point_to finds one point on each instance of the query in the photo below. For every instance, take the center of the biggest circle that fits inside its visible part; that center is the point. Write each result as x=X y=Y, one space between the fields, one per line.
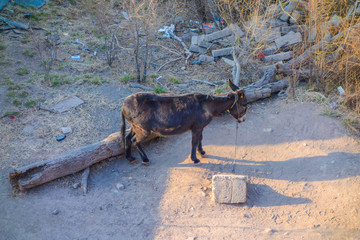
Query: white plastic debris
x=341 y=90
x=167 y=30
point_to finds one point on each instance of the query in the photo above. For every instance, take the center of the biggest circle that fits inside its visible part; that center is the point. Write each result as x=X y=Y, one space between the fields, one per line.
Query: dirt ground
x=303 y=183
x=302 y=168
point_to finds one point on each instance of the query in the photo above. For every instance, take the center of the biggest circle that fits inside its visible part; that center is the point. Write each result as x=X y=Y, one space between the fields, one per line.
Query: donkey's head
x=238 y=108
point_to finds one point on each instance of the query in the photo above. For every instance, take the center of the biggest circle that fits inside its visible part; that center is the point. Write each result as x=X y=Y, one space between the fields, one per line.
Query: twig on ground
x=84 y=179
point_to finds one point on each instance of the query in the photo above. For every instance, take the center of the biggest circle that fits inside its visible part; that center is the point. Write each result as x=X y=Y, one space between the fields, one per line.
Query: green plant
x=153 y=75
x=23 y=94
x=87 y=76
x=17 y=102
x=30 y=103
x=219 y=90
x=330 y=113
x=11 y=94
x=22 y=71
x=125 y=78
x=95 y=80
x=15 y=87
x=174 y=80
x=159 y=89
x=2 y=47
x=28 y=53
x=8 y=81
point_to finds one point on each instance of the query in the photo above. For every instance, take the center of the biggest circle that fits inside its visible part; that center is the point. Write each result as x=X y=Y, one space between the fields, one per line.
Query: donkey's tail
x=123 y=126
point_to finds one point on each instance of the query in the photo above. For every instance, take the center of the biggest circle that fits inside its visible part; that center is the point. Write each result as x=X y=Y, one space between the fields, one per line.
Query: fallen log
x=82 y=158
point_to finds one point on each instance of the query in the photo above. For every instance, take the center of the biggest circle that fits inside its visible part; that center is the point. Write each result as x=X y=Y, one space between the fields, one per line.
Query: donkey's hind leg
x=128 y=142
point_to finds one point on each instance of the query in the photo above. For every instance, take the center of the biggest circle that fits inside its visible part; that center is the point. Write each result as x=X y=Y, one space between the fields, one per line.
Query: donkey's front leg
x=199 y=148
x=196 y=136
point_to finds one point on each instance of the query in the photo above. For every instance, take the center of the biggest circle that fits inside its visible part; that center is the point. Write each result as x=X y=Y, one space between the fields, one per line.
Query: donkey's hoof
x=145 y=163
x=133 y=161
x=203 y=155
x=197 y=162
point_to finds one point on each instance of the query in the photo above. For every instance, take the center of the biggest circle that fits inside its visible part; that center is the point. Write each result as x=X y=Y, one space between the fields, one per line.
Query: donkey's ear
x=233 y=86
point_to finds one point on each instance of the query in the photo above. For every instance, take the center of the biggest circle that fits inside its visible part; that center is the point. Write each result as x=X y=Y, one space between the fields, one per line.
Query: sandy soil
x=303 y=183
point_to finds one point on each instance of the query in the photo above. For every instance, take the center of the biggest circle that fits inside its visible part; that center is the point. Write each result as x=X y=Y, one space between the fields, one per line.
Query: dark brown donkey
x=171 y=115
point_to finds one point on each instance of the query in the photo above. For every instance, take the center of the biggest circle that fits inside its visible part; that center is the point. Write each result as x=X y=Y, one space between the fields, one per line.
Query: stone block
x=67 y=104
x=265 y=34
x=228 y=41
x=228 y=61
x=207 y=45
x=288 y=9
x=206 y=58
x=236 y=30
x=197 y=49
x=195 y=40
x=217 y=35
x=288 y=39
x=222 y=52
x=270 y=50
x=229 y=188
x=279 y=56
x=295 y=17
x=294 y=28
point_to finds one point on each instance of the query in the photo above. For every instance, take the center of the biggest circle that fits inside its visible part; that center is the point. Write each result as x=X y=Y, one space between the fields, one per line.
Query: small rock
x=268 y=130
x=66 y=130
x=116 y=191
x=183 y=68
x=183 y=86
x=120 y=186
x=269 y=231
x=76 y=185
x=305 y=144
x=130 y=178
x=55 y=212
x=334 y=105
x=341 y=91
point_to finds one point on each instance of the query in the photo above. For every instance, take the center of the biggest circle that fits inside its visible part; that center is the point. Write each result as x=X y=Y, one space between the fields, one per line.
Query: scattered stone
x=222 y=52
x=270 y=50
x=228 y=61
x=143 y=87
x=334 y=105
x=236 y=30
x=269 y=231
x=295 y=17
x=195 y=40
x=294 y=28
x=55 y=212
x=288 y=9
x=207 y=45
x=228 y=41
x=197 y=49
x=335 y=20
x=267 y=35
x=76 y=185
x=66 y=130
x=120 y=186
x=268 y=130
x=341 y=90
x=116 y=192
x=279 y=56
x=217 y=35
x=67 y=104
x=206 y=58
x=183 y=68
x=182 y=85
x=288 y=39
x=229 y=188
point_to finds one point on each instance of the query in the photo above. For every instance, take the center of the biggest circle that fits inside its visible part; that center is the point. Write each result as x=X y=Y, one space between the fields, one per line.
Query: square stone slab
x=229 y=188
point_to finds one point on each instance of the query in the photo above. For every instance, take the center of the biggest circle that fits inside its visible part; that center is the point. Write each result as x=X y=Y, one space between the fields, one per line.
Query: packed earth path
x=302 y=170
